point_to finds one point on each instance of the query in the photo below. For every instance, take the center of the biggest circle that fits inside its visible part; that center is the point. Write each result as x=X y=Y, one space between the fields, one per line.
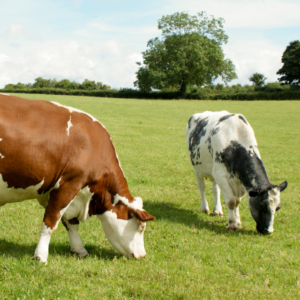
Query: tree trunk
x=183 y=90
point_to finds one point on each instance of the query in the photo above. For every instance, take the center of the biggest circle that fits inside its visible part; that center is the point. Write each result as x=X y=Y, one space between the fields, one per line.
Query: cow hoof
x=218 y=213
x=232 y=227
x=40 y=258
x=206 y=211
x=81 y=254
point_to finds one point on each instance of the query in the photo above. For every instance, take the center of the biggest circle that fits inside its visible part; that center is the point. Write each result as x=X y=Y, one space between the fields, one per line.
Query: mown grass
x=190 y=255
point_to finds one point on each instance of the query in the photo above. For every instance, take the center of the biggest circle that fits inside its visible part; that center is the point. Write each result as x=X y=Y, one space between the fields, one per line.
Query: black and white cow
x=223 y=148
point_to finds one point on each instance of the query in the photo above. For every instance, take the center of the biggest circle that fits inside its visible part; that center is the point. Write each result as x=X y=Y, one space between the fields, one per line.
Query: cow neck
x=255 y=176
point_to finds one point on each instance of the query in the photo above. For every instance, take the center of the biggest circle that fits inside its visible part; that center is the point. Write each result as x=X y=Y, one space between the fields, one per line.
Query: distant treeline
x=62 y=84
x=270 y=91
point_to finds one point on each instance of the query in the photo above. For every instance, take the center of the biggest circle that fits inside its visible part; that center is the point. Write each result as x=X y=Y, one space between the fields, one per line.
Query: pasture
x=190 y=255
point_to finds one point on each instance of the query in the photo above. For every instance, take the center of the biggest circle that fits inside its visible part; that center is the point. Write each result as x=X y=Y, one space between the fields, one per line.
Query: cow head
x=124 y=226
x=263 y=205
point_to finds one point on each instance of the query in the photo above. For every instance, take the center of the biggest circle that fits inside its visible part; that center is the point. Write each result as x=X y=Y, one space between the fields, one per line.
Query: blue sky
x=102 y=40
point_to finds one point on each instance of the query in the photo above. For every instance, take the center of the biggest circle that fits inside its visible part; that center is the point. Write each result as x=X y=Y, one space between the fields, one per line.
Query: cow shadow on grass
x=12 y=249
x=195 y=219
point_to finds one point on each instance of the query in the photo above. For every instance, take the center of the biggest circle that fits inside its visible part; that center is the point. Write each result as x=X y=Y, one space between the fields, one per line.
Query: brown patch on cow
x=230 y=222
x=142 y=215
x=73 y=221
x=231 y=204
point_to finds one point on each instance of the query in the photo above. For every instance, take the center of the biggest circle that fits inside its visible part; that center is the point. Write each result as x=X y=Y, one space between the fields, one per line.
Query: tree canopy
x=290 y=70
x=189 y=53
x=258 y=79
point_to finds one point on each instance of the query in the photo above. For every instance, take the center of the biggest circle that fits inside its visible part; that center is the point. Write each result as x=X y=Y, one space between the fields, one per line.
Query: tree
x=20 y=86
x=290 y=70
x=258 y=79
x=88 y=85
x=63 y=84
x=9 y=86
x=189 y=53
x=101 y=86
x=41 y=83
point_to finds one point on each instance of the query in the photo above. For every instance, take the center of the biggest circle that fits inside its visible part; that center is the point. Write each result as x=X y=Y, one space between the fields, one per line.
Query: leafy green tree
x=41 y=83
x=74 y=85
x=9 y=86
x=20 y=86
x=290 y=70
x=258 y=79
x=189 y=53
x=88 y=85
x=101 y=86
x=63 y=84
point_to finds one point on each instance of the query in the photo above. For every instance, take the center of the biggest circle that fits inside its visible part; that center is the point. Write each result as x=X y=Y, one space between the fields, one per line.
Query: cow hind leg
x=75 y=241
x=218 y=207
x=201 y=186
x=59 y=201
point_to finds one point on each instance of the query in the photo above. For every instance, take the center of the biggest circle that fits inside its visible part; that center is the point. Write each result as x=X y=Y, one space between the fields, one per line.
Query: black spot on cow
x=215 y=130
x=224 y=118
x=245 y=165
x=243 y=119
x=194 y=140
x=209 y=147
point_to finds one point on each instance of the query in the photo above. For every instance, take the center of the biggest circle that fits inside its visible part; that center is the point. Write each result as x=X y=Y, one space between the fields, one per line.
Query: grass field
x=190 y=255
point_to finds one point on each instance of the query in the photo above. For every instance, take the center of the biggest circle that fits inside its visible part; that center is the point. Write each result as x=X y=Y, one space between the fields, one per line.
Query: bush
x=273 y=92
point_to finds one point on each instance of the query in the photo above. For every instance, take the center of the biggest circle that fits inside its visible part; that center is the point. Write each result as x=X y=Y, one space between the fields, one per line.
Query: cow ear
x=142 y=215
x=283 y=186
x=253 y=193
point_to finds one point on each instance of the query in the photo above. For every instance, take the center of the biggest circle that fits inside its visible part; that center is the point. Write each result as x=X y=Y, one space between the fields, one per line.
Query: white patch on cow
x=137 y=204
x=43 y=198
x=79 y=207
x=75 y=241
x=11 y=195
x=42 y=249
x=4 y=94
x=72 y=109
x=69 y=126
x=274 y=198
x=126 y=236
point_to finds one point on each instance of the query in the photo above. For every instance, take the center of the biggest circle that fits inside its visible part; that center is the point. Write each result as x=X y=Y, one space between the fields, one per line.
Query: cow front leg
x=218 y=207
x=237 y=212
x=59 y=201
x=230 y=201
x=201 y=186
x=75 y=241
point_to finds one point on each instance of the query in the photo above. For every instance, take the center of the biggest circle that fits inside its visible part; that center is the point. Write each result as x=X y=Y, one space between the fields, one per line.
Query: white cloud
x=15 y=30
x=112 y=62
x=249 y=57
x=106 y=27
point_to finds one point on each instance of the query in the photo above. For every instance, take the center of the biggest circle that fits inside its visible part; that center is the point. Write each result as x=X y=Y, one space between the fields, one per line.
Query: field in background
x=190 y=255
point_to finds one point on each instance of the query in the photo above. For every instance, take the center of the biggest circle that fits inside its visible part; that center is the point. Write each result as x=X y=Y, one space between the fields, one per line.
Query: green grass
x=190 y=255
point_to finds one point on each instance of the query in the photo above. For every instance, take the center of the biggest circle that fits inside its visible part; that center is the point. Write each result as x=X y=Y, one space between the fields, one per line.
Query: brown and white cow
x=66 y=160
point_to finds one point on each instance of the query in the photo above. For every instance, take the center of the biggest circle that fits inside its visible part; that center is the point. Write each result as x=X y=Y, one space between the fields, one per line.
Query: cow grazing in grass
x=223 y=148
x=66 y=160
